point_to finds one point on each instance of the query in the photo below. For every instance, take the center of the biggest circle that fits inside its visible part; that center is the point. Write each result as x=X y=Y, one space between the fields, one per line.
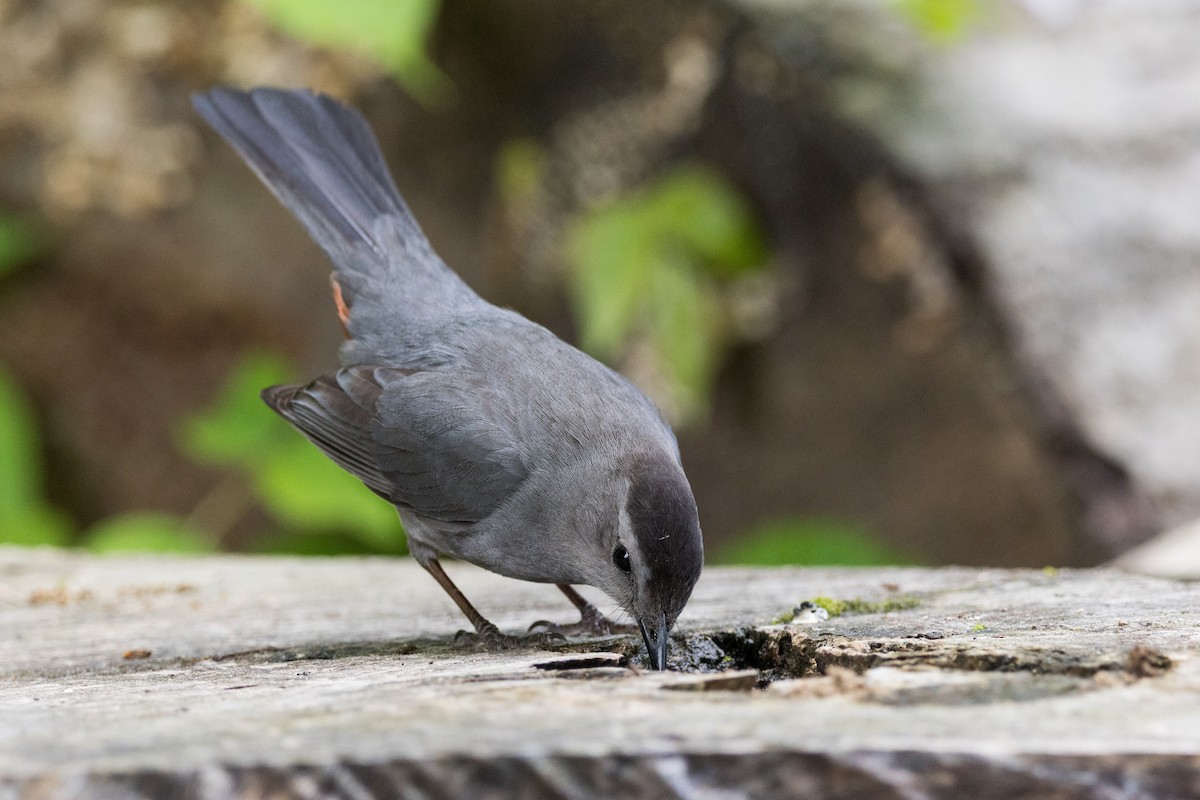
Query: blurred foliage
x=814 y=542
x=945 y=21
x=21 y=240
x=391 y=33
x=25 y=516
x=147 y=532
x=520 y=169
x=322 y=507
x=649 y=268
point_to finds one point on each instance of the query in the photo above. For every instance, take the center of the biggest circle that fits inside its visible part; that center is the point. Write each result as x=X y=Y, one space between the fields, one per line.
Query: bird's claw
x=492 y=639
x=589 y=625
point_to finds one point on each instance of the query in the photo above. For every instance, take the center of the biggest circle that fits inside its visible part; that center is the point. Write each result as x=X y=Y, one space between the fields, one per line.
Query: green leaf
x=21 y=240
x=686 y=311
x=613 y=254
x=808 y=541
x=35 y=525
x=25 y=518
x=390 y=32
x=650 y=267
x=304 y=489
x=20 y=458
x=146 y=532
x=700 y=213
x=238 y=429
x=944 y=21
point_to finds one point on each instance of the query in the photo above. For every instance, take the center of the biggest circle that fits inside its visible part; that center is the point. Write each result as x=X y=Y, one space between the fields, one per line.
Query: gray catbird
x=497 y=442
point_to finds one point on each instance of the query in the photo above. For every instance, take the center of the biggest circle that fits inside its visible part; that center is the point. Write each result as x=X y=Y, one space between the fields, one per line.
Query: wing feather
x=419 y=439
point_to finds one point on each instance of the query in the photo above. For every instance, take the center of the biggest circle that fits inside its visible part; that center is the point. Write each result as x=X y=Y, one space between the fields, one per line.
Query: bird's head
x=655 y=551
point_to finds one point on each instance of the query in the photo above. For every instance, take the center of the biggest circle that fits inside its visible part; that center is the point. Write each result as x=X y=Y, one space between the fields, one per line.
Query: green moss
x=857 y=605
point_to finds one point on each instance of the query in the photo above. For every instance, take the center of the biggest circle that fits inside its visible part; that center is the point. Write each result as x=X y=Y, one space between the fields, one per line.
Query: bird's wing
x=418 y=439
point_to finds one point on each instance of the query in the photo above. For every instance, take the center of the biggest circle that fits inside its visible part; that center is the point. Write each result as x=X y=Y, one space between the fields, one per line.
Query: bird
x=497 y=442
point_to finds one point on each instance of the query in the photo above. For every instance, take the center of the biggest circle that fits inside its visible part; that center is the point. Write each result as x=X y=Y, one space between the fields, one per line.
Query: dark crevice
x=779 y=653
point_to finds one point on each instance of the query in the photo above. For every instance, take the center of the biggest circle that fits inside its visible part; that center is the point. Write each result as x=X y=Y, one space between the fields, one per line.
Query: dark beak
x=656 y=641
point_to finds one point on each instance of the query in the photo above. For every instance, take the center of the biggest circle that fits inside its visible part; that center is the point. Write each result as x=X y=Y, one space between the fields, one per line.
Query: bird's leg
x=488 y=633
x=591 y=618
x=591 y=623
x=485 y=629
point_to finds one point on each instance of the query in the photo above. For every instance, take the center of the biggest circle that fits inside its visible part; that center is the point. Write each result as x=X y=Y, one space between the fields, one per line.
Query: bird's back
x=552 y=394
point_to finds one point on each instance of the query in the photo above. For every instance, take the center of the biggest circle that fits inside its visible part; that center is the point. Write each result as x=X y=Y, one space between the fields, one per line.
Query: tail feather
x=324 y=164
x=318 y=157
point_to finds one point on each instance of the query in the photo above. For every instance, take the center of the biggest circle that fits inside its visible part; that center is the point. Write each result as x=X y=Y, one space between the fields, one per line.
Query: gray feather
x=324 y=164
x=336 y=421
x=319 y=159
x=414 y=438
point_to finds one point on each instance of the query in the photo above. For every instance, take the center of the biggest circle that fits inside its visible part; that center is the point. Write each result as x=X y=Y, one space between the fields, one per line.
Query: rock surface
x=1172 y=554
x=239 y=676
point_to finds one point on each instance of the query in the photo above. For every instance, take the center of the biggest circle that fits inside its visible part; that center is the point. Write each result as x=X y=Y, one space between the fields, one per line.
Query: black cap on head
x=666 y=526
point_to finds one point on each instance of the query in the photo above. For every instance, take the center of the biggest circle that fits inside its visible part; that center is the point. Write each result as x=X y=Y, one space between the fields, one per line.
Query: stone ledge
x=244 y=676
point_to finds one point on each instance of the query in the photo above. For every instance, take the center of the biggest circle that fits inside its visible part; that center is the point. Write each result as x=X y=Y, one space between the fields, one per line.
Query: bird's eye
x=621 y=558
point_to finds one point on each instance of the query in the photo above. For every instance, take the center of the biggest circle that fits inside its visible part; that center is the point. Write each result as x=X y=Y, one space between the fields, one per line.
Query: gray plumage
x=497 y=442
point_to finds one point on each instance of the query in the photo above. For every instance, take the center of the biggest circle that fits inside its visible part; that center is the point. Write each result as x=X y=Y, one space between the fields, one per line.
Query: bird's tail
x=324 y=164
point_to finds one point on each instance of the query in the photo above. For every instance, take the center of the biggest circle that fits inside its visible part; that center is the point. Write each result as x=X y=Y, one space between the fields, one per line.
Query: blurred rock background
x=917 y=280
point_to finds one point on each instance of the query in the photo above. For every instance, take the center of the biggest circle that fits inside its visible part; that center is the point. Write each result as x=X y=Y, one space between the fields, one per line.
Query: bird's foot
x=591 y=623
x=492 y=639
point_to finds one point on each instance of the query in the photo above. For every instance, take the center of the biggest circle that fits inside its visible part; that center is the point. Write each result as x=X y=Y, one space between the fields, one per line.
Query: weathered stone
x=341 y=677
x=1171 y=554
